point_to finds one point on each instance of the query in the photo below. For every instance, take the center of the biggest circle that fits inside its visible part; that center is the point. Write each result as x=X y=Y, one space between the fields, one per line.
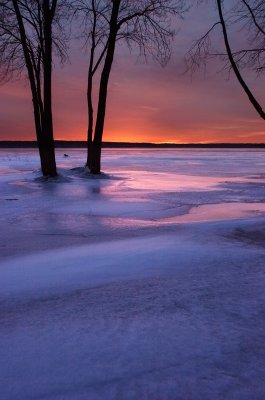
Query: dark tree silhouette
x=29 y=30
x=249 y=16
x=145 y=23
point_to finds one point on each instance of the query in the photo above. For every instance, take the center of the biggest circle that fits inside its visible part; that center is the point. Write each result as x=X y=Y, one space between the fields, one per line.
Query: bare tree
x=145 y=23
x=29 y=32
x=249 y=17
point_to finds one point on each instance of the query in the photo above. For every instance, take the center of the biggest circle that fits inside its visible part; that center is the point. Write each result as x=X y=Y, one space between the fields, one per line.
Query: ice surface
x=147 y=284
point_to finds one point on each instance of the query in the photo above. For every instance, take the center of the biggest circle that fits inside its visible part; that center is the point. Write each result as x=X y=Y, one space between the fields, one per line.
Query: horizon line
x=83 y=143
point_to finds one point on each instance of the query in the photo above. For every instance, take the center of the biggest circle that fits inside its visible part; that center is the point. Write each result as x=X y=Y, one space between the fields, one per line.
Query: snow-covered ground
x=145 y=284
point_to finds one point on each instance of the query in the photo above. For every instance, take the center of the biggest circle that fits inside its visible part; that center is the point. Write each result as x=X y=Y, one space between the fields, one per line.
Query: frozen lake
x=145 y=284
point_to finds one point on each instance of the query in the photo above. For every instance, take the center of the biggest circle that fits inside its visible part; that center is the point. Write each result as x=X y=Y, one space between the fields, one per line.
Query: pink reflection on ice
x=222 y=211
x=176 y=182
x=202 y=213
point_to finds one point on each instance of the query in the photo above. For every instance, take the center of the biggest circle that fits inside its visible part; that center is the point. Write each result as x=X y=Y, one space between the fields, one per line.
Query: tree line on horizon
x=33 y=32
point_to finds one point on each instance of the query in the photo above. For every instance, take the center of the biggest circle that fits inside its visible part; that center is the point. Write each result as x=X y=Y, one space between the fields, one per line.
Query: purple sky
x=146 y=102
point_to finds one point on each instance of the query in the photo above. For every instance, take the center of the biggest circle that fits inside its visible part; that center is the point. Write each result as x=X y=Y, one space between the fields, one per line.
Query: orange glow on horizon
x=181 y=138
x=145 y=134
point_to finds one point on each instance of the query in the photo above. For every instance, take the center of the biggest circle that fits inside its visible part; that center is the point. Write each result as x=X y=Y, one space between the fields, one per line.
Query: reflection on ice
x=202 y=213
x=141 y=189
x=222 y=211
x=169 y=182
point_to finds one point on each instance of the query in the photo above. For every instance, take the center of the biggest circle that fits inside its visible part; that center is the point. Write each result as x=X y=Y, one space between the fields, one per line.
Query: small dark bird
x=66 y=155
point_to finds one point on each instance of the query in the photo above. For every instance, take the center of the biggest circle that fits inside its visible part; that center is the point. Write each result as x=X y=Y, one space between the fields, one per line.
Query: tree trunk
x=38 y=130
x=47 y=141
x=238 y=75
x=95 y=166
x=90 y=92
x=43 y=121
x=90 y=110
x=90 y=125
x=103 y=90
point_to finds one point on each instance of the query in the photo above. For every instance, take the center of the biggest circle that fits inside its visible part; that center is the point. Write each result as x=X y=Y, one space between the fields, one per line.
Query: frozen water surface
x=145 y=284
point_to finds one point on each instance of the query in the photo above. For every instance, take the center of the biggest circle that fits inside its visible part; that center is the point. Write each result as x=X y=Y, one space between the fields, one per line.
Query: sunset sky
x=146 y=103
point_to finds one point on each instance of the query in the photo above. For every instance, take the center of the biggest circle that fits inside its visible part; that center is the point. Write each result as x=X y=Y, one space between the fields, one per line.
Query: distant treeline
x=82 y=144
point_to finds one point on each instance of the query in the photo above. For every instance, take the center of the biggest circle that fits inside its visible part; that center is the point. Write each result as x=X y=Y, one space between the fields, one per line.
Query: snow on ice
x=145 y=284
